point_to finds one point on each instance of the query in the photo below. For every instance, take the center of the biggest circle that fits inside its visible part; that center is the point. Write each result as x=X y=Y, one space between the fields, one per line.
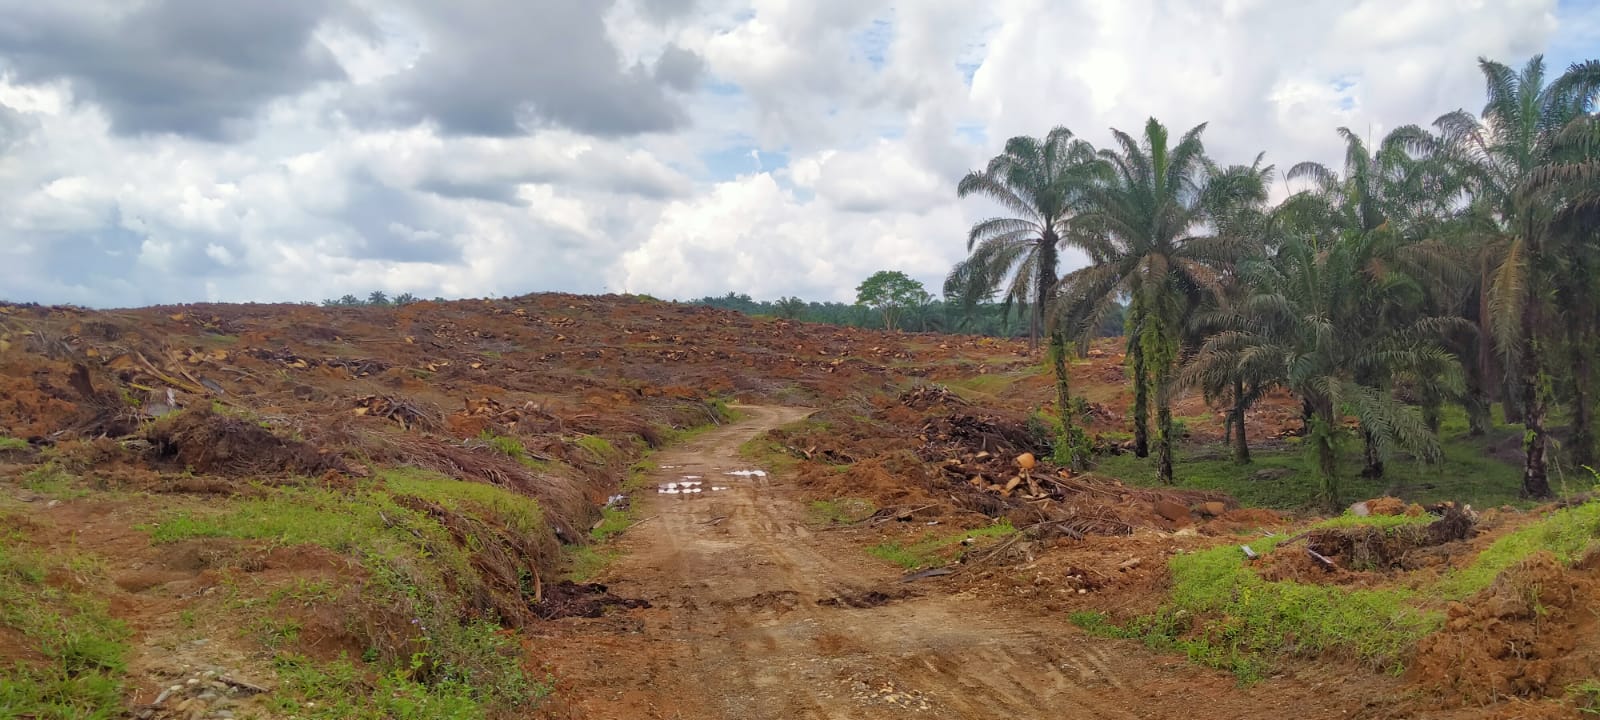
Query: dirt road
x=756 y=615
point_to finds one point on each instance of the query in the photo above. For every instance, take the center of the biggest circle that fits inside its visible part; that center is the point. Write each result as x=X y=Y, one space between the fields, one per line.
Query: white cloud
x=861 y=113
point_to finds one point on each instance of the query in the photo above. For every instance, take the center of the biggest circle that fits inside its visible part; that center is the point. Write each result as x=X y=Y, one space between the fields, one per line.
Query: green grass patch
x=1568 y=533
x=1222 y=614
x=612 y=523
x=841 y=510
x=53 y=482
x=11 y=443
x=417 y=568
x=1586 y=696
x=341 y=690
x=514 y=449
x=1382 y=522
x=84 y=648
x=598 y=447
x=584 y=562
x=936 y=549
x=1287 y=479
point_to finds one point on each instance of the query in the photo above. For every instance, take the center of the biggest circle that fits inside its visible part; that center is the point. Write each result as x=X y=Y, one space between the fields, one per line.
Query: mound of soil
x=1374 y=548
x=1530 y=634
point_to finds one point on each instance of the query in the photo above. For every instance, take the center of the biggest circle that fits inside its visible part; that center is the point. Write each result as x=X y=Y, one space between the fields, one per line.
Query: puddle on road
x=747 y=473
x=689 y=485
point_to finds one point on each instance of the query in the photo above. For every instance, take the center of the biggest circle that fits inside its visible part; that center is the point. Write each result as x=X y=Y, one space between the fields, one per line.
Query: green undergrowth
x=8 y=443
x=342 y=690
x=1223 y=614
x=1569 y=533
x=75 y=652
x=1286 y=479
x=452 y=666
x=514 y=449
x=1382 y=522
x=841 y=511
x=53 y=482
x=598 y=447
x=1586 y=696
x=934 y=549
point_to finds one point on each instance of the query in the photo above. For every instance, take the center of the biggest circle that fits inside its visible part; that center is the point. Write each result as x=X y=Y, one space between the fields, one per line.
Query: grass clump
x=340 y=690
x=1382 y=522
x=612 y=522
x=598 y=447
x=841 y=511
x=933 y=548
x=1586 y=695
x=514 y=449
x=1222 y=614
x=83 y=649
x=584 y=562
x=8 y=443
x=53 y=482
x=1568 y=533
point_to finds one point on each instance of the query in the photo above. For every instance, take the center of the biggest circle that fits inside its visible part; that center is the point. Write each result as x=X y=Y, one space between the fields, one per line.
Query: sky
x=166 y=151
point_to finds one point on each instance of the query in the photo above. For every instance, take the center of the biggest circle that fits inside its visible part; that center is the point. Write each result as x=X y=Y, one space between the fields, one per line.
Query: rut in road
x=757 y=616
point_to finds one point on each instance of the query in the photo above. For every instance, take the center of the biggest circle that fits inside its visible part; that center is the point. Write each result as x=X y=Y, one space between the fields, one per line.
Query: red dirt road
x=757 y=616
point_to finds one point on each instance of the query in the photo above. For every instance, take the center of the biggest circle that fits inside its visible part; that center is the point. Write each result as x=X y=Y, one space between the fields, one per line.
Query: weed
x=417 y=569
x=1382 y=522
x=51 y=481
x=1222 y=614
x=1587 y=696
x=83 y=647
x=10 y=443
x=1568 y=533
x=933 y=548
x=338 y=690
x=598 y=447
x=841 y=511
x=612 y=523
x=585 y=561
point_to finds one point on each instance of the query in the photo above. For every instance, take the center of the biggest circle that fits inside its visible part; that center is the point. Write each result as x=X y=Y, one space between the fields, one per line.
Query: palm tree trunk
x=1476 y=403
x=1511 y=401
x=1374 y=468
x=1322 y=437
x=1583 y=435
x=1432 y=406
x=1133 y=331
x=1164 y=443
x=1069 y=435
x=1241 y=444
x=1535 y=394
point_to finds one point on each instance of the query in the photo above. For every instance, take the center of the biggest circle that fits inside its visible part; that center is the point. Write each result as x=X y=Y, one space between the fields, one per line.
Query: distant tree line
x=991 y=319
x=376 y=298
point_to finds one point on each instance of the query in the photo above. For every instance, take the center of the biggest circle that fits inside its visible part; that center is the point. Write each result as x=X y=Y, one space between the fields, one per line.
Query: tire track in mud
x=763 y=618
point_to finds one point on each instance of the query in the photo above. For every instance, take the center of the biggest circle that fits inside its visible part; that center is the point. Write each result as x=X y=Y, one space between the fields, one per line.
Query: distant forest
x=990 y=319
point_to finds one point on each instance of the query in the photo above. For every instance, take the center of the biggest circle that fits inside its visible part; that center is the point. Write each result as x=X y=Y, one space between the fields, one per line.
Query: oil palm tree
x=1235 y=200
x=1499 y=154
x=1141 y=228
x=1401 y=191
x=1305 y=327
x=1042 y=183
